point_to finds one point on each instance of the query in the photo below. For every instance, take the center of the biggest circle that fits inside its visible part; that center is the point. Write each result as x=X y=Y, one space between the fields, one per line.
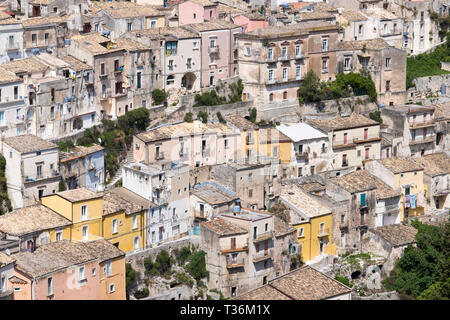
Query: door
x=266 y=247
x=233 y=243
x=321 y=248
x=366 y=134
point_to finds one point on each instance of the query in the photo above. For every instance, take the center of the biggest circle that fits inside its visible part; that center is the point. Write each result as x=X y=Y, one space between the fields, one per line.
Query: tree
x=252 y=115
x=61 y=186
x=130 y=275
x=197 y=266
x=158 y=96
x=5 y=203
x=203 y=116
x=188 y=117
x=376 y=115
x=310 y=89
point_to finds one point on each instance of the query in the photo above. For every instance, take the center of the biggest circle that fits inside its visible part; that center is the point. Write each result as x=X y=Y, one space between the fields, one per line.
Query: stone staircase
x=322 y=263
x=118 y=175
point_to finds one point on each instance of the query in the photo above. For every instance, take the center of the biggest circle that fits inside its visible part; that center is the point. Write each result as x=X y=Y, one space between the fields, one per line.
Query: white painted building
x=11 y=39
x=167 y=189
x=311 y=153
x=31 y=169
x=12 y=105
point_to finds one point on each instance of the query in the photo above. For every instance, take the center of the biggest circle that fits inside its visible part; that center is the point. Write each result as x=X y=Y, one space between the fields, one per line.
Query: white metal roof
x=300 y=131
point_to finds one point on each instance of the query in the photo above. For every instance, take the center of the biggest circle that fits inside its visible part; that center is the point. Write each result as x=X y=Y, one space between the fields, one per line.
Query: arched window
x=285 y=95
x=170 y=80
x=271 y=97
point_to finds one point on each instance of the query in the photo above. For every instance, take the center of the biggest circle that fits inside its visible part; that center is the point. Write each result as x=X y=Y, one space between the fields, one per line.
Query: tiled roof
x=399 y=165
x=119 y=199
x=8 y=76
x=434 y=164
x=93 y=42
x=380 y=14
x=396 y=234
x=353 y=121
x=314 y=15
x=351 y=15
x=241 y=123
x=302 y=201
x=213 y=193
x=181 y=130
x=4 y=15
x=78 y=152
x=9 y=20
x=249 y=214
x=29 y=64
x=205 y=3
x=130 y=45
x=80 y=194
x=63 y=254
x=312 y=187
x=31 y=219
x=356 y=181
x=17 y=280
x=442 y=111
x=372 y=44
x=282 y=228
x=223 y=227
x=291 y=29
x=410 y=108
x=28 y=143
x=298 y=5
x=75 y=64
x=5 y=259
x=167 y=32
x=305 y=283
x=133 y=12
x=31 y=22
x=211 y=25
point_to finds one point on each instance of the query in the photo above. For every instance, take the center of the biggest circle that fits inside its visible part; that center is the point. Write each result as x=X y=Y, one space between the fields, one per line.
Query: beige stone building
x=272 y=61
x=353 y=139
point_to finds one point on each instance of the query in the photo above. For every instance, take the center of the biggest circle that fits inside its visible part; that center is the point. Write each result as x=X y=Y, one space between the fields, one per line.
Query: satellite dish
x=99 y=140
x=8 y=252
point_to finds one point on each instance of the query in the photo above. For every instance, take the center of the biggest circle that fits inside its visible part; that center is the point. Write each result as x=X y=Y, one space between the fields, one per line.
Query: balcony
x=262 y=236
x=271 y=59
x=234 y=263
x=263 y=255
x=366 y=139
x=245 y=248
x=428 y=139
x=299 y=56
x=214 y=49
x=159 y=156
x=139 y=63
x=363 y=223
x=345 y=164
x=42 y=176
x=272 y=81
x=301 y=155
x=249 y=141
x=120 y=94
x=391 y=208
x=14 y=47
x=323 y=232
x=206 y=152
x=344 y=225
x=284 y=58
x=422 y=124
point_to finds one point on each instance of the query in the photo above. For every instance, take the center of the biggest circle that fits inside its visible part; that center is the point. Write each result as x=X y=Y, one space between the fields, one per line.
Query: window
x=85 y=232
x=58 y=235
x=189 y=63
x=2 y=117
x=114 y=226
x=301 y=232
x=388 y=85
x=225 y=143
x=297 y=50
x=94 y=272
x=81 y=276
x=153 y=24
x=324 y=65
x=38 y=171
x=212 y=43
x=130 y=26
x=84 y=212
x=271 y=97
x=275 y=151
x=34 y=39
x=170 y=80
x=270 y=53
x=49 y=286
x=136 y=242
x=250 y=177
x=285 y=95
x=250 y=193
x=284 y=52
x=299 y=172
x=16 y=93
x=46 y=38
x=194 y=16
x=247 y=51
x=325 y=44
x=298 y=72
x=112 y=288
x=138 y=82
x=270 y=75
x=360 y=29
x=285 y=72
x=345 y=138
x=347 y=63
x=388 y=63
x=11 y=41
x=233 y=291
x=134 y=221
x=102 y=69
x=3 y=284
x=195 y=45
x=170 y=65
x=96 y=26
x=108 y=268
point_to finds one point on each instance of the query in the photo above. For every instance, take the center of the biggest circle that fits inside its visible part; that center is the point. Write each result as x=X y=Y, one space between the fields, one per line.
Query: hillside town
x=229 y=149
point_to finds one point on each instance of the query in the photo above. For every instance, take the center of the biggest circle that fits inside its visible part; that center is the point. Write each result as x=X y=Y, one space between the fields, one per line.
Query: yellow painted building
x=124 y=219
x=275 y=144
x=84 y=208
x=314 y=223
x=406 y=176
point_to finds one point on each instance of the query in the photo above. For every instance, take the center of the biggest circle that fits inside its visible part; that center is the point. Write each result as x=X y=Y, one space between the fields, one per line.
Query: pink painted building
x=197 y=11
x=250 y=21
x=218 y=57
x=62 y=270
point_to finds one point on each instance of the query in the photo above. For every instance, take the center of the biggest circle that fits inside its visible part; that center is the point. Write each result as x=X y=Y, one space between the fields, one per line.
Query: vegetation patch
x=5 y=203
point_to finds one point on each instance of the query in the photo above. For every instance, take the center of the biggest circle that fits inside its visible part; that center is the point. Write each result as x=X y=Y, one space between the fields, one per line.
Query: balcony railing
x=323 y=232
x=159 y=156
x=249 y=140
x=228 y=250
x=43 y=175
x=299 y=56
x=271 y=59
x=345 y=163
x=302 y=154
x=214 y=49
x=285 y=57
x=428 y=123
x=263 y=255
x=393 y=207
x=428 y=139
x=262 y=236
x=234 y=263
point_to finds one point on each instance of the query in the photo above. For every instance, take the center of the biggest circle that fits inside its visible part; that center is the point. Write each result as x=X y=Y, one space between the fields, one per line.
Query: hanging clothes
x=420 y=199
x=413 y=201
x=407 y=201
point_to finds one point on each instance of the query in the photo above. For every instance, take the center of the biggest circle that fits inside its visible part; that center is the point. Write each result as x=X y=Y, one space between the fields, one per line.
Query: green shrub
x=296 y=261
x=188 y=117
x=142 y=293
x=183 y=278
x=376 y=115
x=158 y=96
x=182 y=255
x=65 y=146
x=197 y=265
x=5 y=202
x=252 y=115
x=203 y=116
x=61 y=186
x=221 y=118
x=343 y=280
x=130 y=275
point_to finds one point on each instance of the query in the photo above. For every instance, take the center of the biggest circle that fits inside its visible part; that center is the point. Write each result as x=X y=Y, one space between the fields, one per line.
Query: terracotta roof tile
x=399 y=165
x=223 y=227
x=28 y=143
x=434 y=164
x=353 y=121
x=80 y=194
x=396 y=234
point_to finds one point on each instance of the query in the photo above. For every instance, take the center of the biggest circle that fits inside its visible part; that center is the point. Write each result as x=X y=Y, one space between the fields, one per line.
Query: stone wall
x=429 y=86
x=445 y=66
